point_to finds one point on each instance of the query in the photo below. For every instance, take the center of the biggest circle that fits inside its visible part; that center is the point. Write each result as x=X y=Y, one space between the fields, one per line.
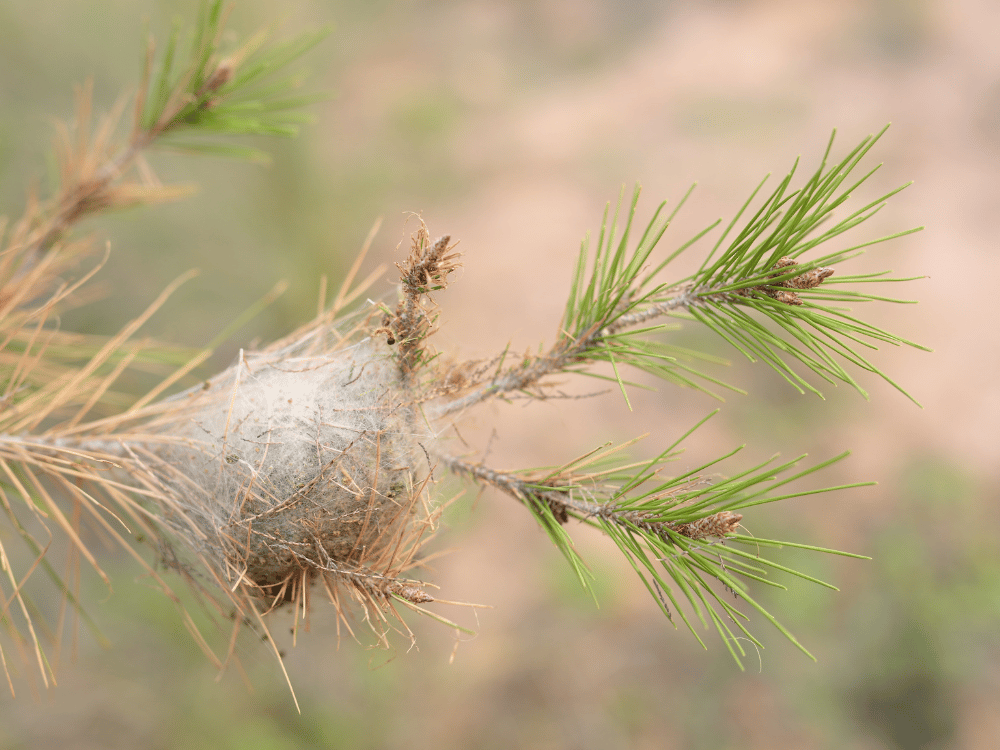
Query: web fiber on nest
x=295 y=464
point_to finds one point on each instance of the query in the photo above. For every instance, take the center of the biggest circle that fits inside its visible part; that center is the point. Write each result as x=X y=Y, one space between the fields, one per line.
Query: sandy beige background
x=509 y=125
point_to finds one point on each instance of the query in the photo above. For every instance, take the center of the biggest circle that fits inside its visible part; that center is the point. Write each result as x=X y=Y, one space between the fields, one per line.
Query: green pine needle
x=664 y=526
x=737 y=292
x=235 y=92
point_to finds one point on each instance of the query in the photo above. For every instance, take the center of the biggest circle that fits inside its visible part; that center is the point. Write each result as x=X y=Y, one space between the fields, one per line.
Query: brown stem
x=716 y=525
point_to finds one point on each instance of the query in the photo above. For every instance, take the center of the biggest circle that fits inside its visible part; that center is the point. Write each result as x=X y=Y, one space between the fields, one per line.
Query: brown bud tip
x=787 y=298
x=810 y=279
x=222 y=74
x=411 y=593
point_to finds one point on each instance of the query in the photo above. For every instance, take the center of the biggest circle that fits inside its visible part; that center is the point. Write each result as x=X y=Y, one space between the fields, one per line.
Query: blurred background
x=509 y=125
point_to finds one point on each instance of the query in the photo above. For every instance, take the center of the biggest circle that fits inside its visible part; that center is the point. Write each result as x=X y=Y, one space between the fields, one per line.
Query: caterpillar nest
x=289 y=467
x=307 y=462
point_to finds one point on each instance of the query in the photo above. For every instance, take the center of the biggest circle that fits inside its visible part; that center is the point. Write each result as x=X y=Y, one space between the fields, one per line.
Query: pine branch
x=309 y=461
x=99 y=172
x=760 y=272
x=229 y=96
x=246 y=92
x=52 y=382
x=676 y=532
